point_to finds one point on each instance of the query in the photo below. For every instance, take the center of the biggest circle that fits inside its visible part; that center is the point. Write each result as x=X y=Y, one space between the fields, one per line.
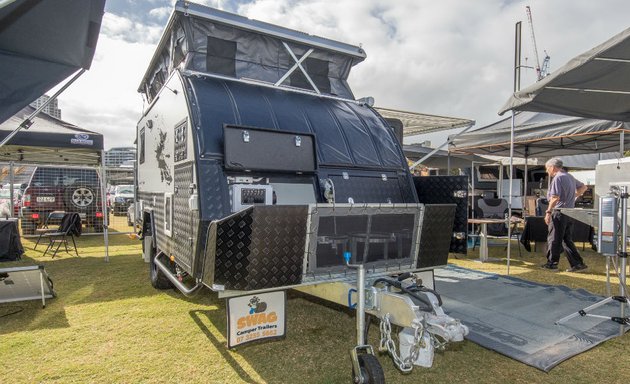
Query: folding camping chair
x=70 y=226
x=52 y=216
x=493 y=208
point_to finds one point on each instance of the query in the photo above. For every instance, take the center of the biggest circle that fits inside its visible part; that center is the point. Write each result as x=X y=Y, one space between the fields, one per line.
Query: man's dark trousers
x=559 y=237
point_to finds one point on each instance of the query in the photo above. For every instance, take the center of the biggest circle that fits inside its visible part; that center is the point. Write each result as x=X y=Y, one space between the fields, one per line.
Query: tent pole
x=29 y=120
x=500 y=193
x=510 y=192
x=448 y=163
x=621 y=143
x=517 y=86
x=11 y=192
x=104 y=206
x=472 y=197
x=525 y=177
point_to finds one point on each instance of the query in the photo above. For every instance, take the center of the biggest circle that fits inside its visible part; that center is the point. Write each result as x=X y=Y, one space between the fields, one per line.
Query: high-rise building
x=51 y=109
x=115 y=157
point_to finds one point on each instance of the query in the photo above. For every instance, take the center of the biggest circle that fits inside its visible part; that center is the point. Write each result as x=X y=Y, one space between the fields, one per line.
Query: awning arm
x=447 y=142
x=29 y=120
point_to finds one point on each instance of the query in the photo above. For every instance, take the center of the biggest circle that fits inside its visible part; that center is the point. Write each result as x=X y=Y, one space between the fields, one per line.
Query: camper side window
x=181 y=147
x=141 y=146
x=221 y=56
x=168 y=214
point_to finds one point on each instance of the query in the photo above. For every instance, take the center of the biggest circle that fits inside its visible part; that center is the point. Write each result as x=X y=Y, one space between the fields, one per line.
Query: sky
x=448 y=57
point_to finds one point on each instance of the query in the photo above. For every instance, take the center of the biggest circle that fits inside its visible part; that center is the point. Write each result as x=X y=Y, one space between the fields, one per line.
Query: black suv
x=62 y=189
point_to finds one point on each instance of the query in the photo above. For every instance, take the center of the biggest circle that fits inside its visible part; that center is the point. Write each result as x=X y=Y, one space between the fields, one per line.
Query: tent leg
x=11 y=191
x=510 y=192
x=525 y=177
x=104 y=206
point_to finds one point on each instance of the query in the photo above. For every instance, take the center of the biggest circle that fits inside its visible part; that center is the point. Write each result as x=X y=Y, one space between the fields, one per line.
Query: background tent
x=42 y=43
x=50 y=141
x=53 y=141
x=595 y=84
x=440 y=159
x=544 y=135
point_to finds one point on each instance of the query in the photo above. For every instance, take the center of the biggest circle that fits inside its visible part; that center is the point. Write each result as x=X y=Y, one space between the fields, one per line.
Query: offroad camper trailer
x=258 y=171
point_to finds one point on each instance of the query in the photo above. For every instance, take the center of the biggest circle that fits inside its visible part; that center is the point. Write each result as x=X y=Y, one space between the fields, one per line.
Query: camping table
x=483 y=236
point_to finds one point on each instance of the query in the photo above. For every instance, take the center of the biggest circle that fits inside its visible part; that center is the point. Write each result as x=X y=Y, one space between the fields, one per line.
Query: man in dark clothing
x=563 y=190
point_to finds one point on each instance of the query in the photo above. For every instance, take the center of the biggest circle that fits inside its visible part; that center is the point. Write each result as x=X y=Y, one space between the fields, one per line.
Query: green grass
x=108 y=325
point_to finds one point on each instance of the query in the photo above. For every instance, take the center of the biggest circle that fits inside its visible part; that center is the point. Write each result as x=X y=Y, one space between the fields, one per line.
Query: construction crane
x=544 y=68
x=543 y=71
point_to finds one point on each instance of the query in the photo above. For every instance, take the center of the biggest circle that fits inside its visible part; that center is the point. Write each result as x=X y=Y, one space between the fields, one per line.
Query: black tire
x=158 y=280
x=80 y=198
x=28 y=227
x=370 y=369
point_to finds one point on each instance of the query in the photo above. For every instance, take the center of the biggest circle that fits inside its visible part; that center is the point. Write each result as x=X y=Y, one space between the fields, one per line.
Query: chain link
x=387 y=344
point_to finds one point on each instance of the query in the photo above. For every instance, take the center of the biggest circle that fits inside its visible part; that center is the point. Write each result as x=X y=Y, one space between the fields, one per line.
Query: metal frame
x=192 y=73
x=100 y=170
x=298 y=64
x=622 y=254
x=43 y=280
x=310 y=272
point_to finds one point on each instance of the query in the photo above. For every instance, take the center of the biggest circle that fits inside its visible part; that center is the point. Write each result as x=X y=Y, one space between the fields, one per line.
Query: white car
x=121 y=198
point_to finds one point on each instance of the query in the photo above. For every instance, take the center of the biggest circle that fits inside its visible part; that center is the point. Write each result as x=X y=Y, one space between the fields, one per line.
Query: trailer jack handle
x=361 y=348
x=188 y=292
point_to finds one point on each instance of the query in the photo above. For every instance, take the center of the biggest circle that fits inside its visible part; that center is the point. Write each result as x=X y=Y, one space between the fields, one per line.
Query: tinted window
x=60 y=177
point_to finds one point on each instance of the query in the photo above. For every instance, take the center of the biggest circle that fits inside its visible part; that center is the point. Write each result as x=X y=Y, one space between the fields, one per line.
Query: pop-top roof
x=207 y=40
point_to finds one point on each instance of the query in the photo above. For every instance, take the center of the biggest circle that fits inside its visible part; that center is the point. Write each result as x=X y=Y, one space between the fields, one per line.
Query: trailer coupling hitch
x=425 y=326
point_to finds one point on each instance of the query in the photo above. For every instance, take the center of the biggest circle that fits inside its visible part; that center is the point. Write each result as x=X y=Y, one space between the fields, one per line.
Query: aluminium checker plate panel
x=183 y=217
x=257 y=248
x=448 y=190
x=435 y=236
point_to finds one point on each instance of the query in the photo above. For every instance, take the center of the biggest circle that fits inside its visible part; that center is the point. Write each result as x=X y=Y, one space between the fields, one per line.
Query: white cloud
x=161 y=13
x=122 y=28
x=449 y=57
x=104 y=99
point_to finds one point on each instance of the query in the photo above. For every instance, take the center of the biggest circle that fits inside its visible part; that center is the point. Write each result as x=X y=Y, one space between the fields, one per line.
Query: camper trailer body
x=212 y=143
x=258 y=171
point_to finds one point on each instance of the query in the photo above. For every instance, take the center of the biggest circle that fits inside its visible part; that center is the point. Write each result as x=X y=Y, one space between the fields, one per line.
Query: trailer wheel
x=158 y=280
x=371 y=370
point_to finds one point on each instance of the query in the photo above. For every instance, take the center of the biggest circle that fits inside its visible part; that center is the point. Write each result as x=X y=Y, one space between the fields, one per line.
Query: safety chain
x=387 y=344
